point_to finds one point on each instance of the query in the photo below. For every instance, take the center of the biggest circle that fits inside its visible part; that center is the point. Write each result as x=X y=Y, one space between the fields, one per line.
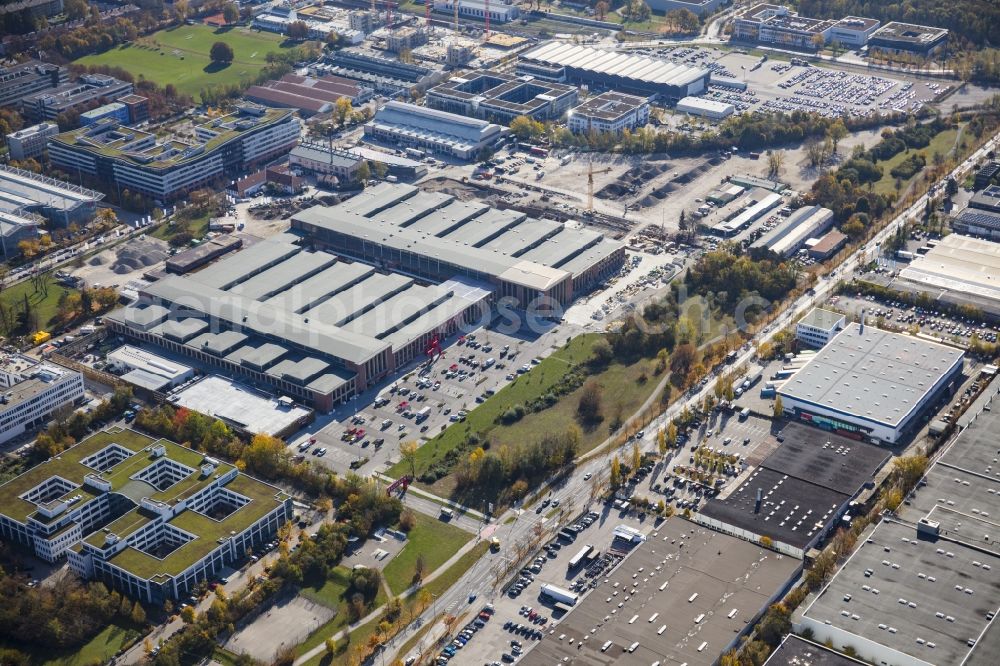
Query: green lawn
x=44 y=302
x=435 y=540
x=180 y=56
x=331 y=595
x=99 y=650
x=525 y=388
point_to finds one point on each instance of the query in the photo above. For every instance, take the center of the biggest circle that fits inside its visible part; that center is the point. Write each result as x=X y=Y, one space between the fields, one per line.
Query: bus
x=580 y=557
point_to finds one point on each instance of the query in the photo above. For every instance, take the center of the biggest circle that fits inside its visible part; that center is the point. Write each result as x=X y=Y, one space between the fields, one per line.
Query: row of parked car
x=464 y=636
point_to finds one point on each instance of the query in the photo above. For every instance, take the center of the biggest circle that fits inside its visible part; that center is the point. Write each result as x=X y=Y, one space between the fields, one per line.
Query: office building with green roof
x=148 y=517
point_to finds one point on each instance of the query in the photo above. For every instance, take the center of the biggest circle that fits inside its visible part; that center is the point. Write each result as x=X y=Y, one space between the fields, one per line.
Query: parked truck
x=423 y=414
x=558 y=594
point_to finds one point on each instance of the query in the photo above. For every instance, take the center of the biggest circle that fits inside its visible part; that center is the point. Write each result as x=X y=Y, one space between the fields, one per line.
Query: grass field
x=198 y=228
x=942 y=143
x=434 y=539
x=180 y=56
x=99 y=650
x=331 y=595
x=522 y=390
x=43 y=301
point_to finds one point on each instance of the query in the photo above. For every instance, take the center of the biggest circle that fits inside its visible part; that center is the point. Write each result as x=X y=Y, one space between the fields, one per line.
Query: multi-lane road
x=574 y=493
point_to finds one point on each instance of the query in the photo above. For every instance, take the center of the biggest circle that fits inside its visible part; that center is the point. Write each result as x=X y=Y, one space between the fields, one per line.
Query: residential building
x=609 y=112
x=405 y=38
x=31 y=391
x=853 y=31
x=115 y=111
x=871 y=384
x=147 y=517
x=432 y=130
x=897 y=37
x=30 y=141
x=165 y=163
x=27 y=78
x=706 y=108
x=363 y=21
x=499 y=97
x=819 y=326
x=610 y=70
x=25 y=193
x=89 y=88
x=146 y=369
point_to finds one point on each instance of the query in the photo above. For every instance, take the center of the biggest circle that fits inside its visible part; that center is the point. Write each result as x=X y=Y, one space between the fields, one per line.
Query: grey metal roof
x=283 y=276
x=318 y=288
x=875 y=375
x=486 y=227
x=625 y=65
x=230 y=271
x=562 y=247
x=352 y=303
x=317 y=154
x=217 y=344
x=397 y=310
x=451 y=128
x=183 y=329
x=525 y=236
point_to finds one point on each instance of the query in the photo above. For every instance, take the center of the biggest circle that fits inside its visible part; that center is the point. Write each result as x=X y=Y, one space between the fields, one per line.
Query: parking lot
x=426 y=399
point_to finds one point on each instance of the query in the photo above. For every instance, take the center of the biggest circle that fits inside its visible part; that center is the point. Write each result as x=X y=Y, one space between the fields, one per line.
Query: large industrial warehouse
x=304 y=322
x=639 y=75
x=437 y=236
x=871 y=384
x=959 y=270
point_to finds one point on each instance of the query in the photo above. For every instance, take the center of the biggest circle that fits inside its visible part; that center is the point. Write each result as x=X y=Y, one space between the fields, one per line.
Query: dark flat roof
x=826 y=459
x=792 y=510
x=795 y=651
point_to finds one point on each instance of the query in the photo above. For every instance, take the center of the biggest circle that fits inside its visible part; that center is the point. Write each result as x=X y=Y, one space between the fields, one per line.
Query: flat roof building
x=779 y=25
x=819 y=326
x=897 y=37
x=437 y=131
x=499 y=97
x=609 y=112
x=387 y=75
x=48 y=104
x=786 y=238
x=148 y=370
x=706 y=108
x=853 y=31
x=757 y=205
x=959 y=269
x=242 y=407
x=797 y=651
x=325 y=160
x=436 y=235
x=987 y=199
x=985 y=175
x=696 y=593
x=23 y=193
x=799 y=493
x=700 y=8
x=919 y=589
x=30 y=141
x=31 y=391
x=608 y=70
x=167 y=162
x=207 y=251
x=500 y=11
x=19 y=81
x=871 y=384
x=826 y=245
x=169 y=517
x=303 y=322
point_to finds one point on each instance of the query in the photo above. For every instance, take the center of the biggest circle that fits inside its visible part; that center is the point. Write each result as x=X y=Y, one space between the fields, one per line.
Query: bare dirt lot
x=289 y=622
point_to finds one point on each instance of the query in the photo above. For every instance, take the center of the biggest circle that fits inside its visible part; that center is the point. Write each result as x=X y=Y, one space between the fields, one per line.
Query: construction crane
x=427 y=14
x=590 y=184
x=486 y=11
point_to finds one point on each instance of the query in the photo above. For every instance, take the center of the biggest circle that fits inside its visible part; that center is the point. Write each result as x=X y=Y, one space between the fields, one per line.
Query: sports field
x=180 y=56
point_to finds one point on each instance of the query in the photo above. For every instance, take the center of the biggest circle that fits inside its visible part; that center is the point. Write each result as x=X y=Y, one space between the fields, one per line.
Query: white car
x=587 y=476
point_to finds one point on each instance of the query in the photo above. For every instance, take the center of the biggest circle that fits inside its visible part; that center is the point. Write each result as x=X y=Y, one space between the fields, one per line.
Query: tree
x=779 y=407
x=589 y=408
x=380 y=170
x=343 y=110
x=138 y=614
x=364 y=173
x=661 y=442
x=636 y=457
x=231 y=13
x=221 y=53
x=837 y=132
x=601 y=9
x=297 y=30
x=408 y=450
x=525 y=128
x=775 y=159
x=615 y=480
x=182 y=8
x=817 y=41
x=187 y=614
x=672 y=434
x=75 y=9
